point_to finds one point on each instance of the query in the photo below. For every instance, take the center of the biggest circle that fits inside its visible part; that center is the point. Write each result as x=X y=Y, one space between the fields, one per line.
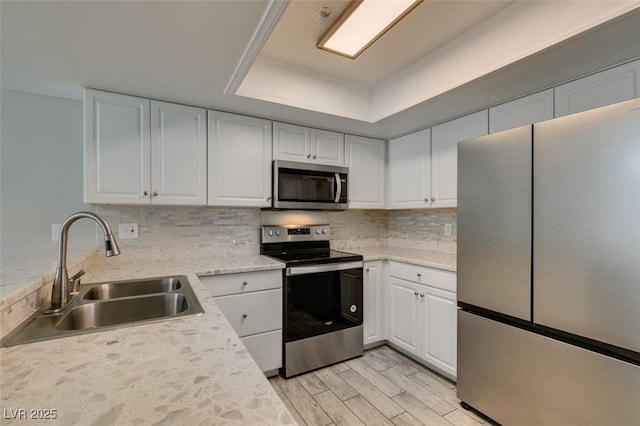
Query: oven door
x=320 y=299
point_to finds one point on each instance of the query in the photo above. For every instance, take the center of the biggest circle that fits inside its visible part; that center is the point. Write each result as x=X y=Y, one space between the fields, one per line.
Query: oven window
x=321 y=303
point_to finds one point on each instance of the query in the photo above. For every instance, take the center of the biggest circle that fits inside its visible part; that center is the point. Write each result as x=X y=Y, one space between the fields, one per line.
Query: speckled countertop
x=419 y=257
x=190 y=371
x=187 y=371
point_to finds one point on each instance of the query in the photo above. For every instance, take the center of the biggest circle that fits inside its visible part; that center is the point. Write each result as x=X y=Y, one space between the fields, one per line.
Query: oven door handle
x=329 y=267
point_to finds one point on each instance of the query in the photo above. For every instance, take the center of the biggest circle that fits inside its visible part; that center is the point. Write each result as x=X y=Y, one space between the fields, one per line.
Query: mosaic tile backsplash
x=237 y=230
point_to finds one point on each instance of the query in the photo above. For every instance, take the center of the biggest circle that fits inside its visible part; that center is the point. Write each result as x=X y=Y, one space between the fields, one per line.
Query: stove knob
x=270 y=233
x=324 y=230
x=318 y=231
x=278 y=232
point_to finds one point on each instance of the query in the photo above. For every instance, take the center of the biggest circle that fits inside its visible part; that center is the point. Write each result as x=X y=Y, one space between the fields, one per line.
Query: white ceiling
x=187 y=52
x=430 y=25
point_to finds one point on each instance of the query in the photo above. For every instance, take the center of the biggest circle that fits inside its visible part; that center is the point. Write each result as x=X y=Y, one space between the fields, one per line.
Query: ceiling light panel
x=362 y=23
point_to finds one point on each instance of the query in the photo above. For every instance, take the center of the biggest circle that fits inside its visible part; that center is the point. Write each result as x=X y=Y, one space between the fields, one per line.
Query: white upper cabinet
x=606 y=87
x=298 y=143
x=239 y=160
x=410 y=171
x=117 y=147
x=444 y=155
x=365 y=158
x=178 y=154
x=519 y=112
x=130 y=140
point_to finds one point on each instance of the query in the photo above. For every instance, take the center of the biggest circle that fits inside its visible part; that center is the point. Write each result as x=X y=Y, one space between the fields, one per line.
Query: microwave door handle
x=338 y=190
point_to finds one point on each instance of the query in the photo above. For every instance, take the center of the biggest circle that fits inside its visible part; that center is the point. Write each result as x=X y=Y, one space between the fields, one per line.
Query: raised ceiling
x=430 y=25
x=188 y=51
x=437 y=47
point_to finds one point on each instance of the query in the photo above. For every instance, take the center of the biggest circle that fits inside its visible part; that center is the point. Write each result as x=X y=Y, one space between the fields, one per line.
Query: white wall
x=41 y=168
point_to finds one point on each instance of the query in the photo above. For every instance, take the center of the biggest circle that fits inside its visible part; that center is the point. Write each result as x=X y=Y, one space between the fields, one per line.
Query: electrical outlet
x=55 y=231
x=128 y=231
x=447 y=229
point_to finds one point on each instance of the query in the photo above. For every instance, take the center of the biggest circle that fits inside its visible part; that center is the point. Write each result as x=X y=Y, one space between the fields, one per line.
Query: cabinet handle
x=308 y=155
x=433 y=199
x=367 y=270
x=415 y=293
x=426 y=199
x=155 y=193
x=315 y=156
x=145 y=193
x=419 y=274
x=244 y=316
x=244 y=283
x=268 y=198
x=421 y=294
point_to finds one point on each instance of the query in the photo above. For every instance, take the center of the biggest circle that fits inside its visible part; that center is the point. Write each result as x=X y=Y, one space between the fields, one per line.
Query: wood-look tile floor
x=383 y=387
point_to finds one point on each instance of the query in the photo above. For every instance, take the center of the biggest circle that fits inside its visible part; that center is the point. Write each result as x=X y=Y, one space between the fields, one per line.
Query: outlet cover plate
x=127 y=231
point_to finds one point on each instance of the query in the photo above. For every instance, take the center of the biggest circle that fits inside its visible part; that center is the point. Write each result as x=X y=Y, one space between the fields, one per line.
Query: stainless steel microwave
x=303 y=186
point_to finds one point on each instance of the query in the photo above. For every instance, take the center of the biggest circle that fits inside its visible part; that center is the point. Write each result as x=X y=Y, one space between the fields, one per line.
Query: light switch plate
x=127 y=231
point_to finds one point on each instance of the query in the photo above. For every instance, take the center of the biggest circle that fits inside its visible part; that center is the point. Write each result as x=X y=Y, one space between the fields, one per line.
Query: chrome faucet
x=61 y=293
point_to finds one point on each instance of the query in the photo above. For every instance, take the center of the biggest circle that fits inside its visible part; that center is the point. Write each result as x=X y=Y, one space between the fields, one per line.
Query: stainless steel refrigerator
x=549 y=271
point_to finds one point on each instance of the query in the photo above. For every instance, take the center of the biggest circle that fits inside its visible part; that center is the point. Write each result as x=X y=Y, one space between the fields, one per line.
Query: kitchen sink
x=104 y=306
x=103 y=314
x=133 y=288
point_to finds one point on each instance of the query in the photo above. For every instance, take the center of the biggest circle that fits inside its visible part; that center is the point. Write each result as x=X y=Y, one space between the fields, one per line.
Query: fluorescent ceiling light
x=362 y=23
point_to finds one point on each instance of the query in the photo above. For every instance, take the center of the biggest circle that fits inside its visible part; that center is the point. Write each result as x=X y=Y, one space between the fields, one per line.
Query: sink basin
x=133 y=288
x=103 y=306
x=102 y=314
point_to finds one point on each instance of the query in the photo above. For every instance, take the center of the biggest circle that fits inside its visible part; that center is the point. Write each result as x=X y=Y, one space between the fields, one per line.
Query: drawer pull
x=415 y=293
x=244 y=316
x=419 y=274
x=244 y=283
x=421 y=294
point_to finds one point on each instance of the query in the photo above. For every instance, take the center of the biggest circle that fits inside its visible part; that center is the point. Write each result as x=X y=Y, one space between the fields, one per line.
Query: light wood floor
x=383 y=387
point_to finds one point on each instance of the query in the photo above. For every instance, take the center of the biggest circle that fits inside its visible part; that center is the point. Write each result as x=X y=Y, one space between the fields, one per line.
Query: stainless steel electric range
x=322 y=306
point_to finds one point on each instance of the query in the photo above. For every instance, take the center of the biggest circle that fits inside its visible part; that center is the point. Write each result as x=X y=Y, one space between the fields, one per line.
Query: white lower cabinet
x=422 y=314
x=252 y=303
x=372 y=302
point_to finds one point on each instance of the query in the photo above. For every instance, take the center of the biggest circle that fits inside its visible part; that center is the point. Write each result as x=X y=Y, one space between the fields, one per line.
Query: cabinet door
x=444 y=155
x=439 y=332
x=178 y=154
x=327 y=147
x=117 y=148
x=239 y=160
x=409 y=170
x=527 y=110
x=372 y=301
x=365 y=158
x=404 y=315
x=291 y=142
x=607 y=87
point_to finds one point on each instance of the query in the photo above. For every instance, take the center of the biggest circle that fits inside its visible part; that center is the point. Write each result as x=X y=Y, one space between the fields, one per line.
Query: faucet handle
x=74 y=282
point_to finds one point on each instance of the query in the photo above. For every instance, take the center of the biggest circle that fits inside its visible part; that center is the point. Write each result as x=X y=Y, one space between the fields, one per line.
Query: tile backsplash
x=203 y=230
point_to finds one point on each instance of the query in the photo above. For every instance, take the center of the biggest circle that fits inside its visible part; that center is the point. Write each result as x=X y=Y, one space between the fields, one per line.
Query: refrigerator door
x=494 y=222
x=586 y=252
x=521 y=378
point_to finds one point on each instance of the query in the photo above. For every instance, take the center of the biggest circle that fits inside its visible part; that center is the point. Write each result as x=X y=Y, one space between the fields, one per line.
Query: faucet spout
x=60 y=294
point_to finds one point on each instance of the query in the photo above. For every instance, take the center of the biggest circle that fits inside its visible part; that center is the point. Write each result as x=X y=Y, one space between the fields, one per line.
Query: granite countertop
x=191 y=371
x=431 y=259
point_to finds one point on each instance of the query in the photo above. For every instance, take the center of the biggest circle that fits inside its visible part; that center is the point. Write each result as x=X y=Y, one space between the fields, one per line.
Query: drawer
x=244 y=282
x=438 y=278
x=266 y=349
x=253 y=313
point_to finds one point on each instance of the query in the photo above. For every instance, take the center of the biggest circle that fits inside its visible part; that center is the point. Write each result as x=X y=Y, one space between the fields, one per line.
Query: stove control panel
x=289 y=233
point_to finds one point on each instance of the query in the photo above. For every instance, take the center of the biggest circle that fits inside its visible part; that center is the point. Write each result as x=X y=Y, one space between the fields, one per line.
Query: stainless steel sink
x=133 y=288
x=103 y=306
